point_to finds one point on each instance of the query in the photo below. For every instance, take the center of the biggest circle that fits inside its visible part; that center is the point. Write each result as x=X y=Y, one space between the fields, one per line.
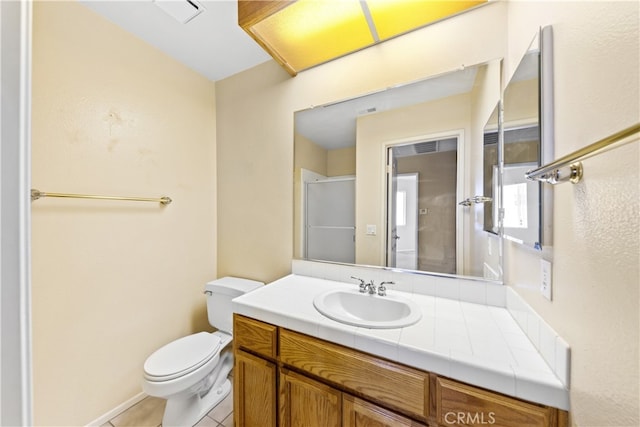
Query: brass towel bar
x=37 y=194
x=569 y=167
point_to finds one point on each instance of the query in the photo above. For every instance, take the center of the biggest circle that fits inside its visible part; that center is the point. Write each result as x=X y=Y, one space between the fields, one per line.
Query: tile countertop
x=473 y=343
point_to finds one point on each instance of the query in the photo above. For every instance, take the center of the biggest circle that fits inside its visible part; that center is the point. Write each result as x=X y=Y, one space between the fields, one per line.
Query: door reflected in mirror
x=413 y=152
x=421 y=190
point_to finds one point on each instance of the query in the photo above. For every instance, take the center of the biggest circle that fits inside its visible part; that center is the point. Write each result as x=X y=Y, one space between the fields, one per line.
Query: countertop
x=473 y=343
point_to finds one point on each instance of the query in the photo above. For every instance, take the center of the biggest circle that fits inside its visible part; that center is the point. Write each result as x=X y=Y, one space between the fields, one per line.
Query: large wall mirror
x=379 y=179
x=528 y=143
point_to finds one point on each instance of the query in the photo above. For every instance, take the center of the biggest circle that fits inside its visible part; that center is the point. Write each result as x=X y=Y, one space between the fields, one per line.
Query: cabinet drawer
x=395 y=386
x=257 y=337
x=459 y=404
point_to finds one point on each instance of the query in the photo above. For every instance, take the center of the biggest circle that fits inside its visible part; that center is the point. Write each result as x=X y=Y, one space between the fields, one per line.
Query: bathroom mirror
x=528 y=143
x=379 y=178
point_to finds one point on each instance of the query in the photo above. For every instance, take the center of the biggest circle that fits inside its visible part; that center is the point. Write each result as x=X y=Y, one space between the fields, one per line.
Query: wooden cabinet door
x=305 y=402
x=254 y=391
x=360 y=413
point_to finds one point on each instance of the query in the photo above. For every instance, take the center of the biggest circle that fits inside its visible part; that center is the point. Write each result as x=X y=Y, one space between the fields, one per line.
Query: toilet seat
x=182 y=356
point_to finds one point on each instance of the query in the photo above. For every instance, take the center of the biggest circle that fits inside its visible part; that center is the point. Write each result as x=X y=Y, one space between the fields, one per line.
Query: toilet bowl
x=191 y=372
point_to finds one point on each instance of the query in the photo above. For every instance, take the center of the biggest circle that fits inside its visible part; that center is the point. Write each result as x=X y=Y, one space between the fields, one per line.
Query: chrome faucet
x=366 y=287
x=382 y=289
x=363 y=285
x=371 y=287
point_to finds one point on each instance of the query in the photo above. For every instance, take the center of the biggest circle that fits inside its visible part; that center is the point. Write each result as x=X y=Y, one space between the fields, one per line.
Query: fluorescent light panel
x=306 y=33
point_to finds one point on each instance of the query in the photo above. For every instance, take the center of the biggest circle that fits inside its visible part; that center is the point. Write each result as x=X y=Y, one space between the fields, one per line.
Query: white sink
x=368 y=311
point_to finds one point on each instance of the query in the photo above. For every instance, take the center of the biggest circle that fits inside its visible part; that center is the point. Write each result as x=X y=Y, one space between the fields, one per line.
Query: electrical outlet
x=545 y=278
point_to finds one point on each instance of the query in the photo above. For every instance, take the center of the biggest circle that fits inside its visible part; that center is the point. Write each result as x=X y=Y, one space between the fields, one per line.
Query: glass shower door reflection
x=330 y=220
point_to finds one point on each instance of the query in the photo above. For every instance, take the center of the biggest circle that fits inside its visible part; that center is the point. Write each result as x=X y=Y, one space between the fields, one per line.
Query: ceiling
x=211 y=44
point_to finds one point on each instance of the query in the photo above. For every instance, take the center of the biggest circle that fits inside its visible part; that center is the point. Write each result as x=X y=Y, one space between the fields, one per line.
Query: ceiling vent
x=491 y=138
x=426 y=147
x=415 y=149
x=182 y=11
x=367 y=111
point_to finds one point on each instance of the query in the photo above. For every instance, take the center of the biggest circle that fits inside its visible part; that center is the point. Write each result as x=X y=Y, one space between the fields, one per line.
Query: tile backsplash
x=462 y=289
x=554 y=350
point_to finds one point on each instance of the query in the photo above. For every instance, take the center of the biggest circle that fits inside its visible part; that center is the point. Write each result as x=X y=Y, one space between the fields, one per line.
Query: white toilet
x=191 y=372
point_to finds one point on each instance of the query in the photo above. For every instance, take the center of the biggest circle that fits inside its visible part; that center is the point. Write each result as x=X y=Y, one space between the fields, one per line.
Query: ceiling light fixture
x=305 y=33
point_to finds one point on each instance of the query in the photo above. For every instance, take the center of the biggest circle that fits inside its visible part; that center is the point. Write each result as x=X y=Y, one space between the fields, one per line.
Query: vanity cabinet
x=289 y=379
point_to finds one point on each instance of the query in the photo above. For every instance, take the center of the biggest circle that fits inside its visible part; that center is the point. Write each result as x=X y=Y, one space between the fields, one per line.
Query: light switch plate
x=545 y=278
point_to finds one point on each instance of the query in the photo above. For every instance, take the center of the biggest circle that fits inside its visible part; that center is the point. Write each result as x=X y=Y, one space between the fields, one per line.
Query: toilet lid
x=181 y=356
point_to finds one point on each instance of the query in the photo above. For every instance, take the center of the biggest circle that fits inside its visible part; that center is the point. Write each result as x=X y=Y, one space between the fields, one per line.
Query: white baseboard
x=117 y=410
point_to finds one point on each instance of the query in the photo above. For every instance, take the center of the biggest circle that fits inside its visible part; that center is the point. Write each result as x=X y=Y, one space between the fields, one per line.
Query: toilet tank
x=219 y=293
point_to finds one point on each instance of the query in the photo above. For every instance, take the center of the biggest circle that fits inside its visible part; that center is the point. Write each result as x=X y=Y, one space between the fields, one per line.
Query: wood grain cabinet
x=305 y=402
x=395 y=386
x=461 y=404
x=284 y=378
x=254 y=392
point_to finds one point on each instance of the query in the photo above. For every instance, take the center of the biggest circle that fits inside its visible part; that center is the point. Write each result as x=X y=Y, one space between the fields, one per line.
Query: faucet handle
x=382 y=289
x=363 y=285
x=371 y=286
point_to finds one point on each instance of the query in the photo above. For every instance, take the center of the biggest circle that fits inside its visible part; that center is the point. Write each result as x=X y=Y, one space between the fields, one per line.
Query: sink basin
x=368 y=311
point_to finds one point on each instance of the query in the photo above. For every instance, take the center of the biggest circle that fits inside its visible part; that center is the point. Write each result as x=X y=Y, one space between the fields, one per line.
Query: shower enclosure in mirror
x=527 y=144
x=330 y=219
x=412 y=153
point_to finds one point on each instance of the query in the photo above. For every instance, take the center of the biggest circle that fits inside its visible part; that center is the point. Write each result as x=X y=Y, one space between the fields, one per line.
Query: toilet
x=191 y=372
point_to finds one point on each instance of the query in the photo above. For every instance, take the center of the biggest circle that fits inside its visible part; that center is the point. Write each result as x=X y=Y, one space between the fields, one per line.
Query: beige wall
x=310 y=156
x=596 y=223
x=341 y=161
x=595 y=255
x=113 y=281
x=520 y=103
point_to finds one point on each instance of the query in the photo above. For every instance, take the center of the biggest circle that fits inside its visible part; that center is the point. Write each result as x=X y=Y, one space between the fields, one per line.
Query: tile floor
x=148 y=413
